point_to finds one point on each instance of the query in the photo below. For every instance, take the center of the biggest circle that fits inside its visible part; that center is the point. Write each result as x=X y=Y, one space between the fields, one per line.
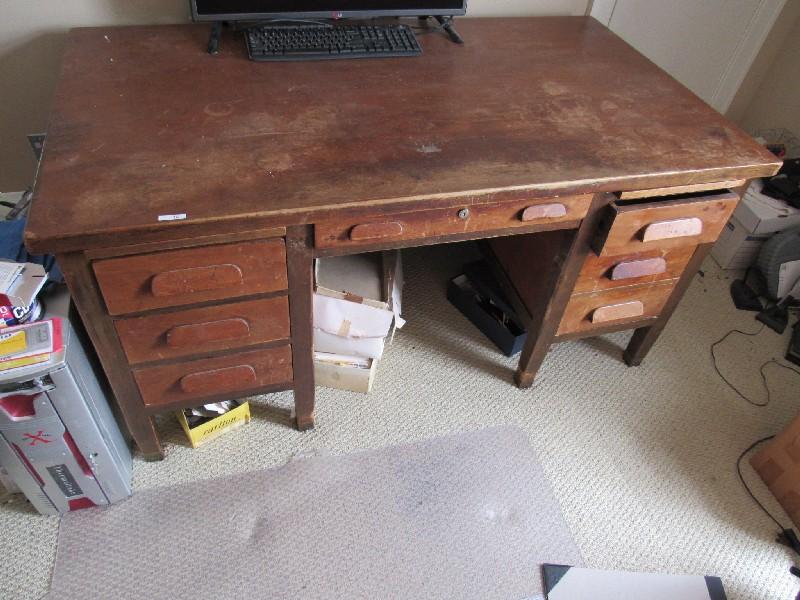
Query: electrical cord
x=747 y=488
x=761 y=369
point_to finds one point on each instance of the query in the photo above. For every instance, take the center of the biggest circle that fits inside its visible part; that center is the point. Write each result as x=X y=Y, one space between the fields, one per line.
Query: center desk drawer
x=586 y=312
x=176 y=277
x=234 y=375
x=355 y=232
x=684 y=220
x=200 y=330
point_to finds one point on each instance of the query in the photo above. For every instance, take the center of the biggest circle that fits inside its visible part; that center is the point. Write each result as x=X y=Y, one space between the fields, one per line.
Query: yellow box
x=13 y=343
x=215 y=427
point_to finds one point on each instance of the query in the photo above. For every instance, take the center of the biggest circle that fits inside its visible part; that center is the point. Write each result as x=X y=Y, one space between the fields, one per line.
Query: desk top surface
x=145 y=124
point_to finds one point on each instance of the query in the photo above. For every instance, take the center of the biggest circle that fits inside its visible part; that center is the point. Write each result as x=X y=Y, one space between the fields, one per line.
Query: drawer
x=607 y=272
x=199 y=330
x=585 y=312
x=683 y=220
x=192 y=275
x=354 y=232
x=233 y=375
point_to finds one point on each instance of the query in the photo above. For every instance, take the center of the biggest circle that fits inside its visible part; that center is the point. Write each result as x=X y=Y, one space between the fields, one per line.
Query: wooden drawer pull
x=543 y=211
x=183 y=336
x=614 y=312
x=638 y=268
x=196 y=279
x=376 y=231
x=219 y=380
x=665 y=230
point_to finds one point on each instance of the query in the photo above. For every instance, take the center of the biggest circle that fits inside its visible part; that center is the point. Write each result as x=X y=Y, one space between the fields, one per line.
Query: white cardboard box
x=356 y=303
x=754 y=221
x=737 y=248
x=344 y=373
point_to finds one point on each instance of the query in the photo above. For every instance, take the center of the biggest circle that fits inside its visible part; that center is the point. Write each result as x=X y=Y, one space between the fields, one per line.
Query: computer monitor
x=256 y=10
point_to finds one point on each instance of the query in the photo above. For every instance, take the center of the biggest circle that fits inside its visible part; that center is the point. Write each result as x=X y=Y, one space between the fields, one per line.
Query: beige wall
x=774 y=46
x=32 y=37
x=775 y=101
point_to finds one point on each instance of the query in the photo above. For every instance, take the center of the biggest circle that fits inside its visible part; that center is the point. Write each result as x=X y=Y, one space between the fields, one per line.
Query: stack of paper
x=22 y=283
x=9 y=271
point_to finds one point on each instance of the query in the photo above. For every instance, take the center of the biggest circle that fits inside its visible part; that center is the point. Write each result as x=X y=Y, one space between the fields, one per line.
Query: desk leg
x=543 y=269
x=87 y=299
x=300 y=262
x=643 y=338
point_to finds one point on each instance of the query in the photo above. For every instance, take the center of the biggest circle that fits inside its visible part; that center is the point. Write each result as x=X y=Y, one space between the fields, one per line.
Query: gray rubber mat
x=464 y=516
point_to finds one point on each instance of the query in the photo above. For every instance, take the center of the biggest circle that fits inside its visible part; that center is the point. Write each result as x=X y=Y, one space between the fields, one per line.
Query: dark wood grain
x=192 y=275
x=236 y=374
x=644 y=338
x=145 y=123
x=543 y=269
x=585 y=312
x=606 y=272
x=300 y=261
x=625 y=226
x=478 y=218
x=204 y=330
x=215 y=381
x=146 y=247
x=371 y=232
x=86 y=296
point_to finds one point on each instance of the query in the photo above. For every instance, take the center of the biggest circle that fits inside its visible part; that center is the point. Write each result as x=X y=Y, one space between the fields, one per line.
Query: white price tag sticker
x=178 y=217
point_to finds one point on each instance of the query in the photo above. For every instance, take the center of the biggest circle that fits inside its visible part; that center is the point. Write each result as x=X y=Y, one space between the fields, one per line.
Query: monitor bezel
x=363 y=14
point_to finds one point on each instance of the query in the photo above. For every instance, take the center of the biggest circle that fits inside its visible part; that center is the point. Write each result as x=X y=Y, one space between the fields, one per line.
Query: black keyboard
x=314 y=42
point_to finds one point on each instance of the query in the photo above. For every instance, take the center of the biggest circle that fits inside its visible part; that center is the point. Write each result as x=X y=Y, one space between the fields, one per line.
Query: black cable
x=741 y=478
x=760 y=369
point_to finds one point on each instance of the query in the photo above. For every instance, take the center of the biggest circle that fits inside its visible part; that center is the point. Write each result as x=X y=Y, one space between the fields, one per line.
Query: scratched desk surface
x=145 y=123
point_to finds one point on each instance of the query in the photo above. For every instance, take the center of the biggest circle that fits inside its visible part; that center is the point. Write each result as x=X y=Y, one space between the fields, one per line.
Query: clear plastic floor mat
x=464 y=516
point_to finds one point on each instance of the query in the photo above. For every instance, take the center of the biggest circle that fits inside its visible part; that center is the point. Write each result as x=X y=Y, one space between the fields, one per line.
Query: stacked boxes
x=755 y=220
x=357 y=301
x=59 y=441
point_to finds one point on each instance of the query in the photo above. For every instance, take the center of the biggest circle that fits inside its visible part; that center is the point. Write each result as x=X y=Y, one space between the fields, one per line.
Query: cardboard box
x=778 y=464
x=737 y=248
x=344 y=372
x=209 y=430
x=754 y=221
x=357 y=301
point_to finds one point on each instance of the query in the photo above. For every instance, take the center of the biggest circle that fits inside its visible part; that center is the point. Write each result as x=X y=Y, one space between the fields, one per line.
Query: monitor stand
x=214 y=37
x=446 y=23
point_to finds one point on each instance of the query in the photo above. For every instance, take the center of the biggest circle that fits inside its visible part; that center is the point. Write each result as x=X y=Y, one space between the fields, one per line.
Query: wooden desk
x=536 y=126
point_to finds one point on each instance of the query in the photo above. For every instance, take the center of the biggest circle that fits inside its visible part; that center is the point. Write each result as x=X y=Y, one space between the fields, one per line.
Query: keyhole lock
x=463 y=214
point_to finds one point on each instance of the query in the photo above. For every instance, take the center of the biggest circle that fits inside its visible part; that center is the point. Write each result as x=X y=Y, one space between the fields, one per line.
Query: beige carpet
x=641 y=460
